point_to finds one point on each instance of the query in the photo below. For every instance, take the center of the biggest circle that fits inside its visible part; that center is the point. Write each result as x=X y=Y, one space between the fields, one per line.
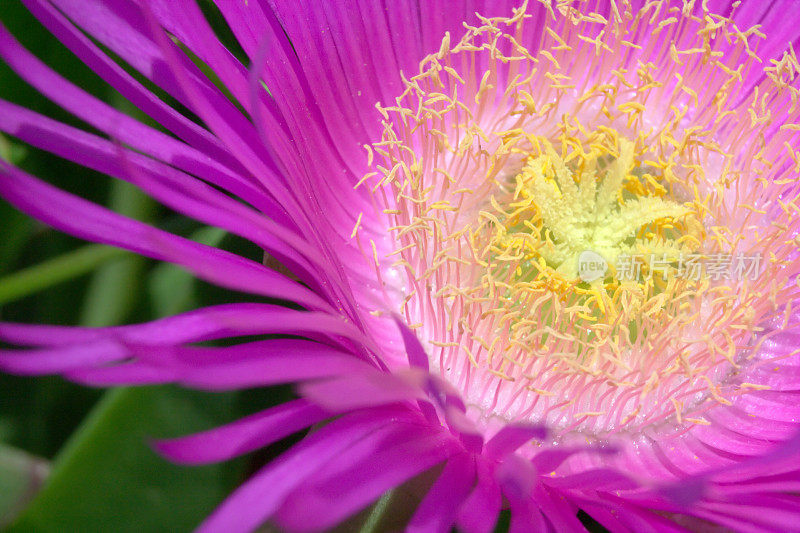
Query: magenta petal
x=511 y=437
x=558 y=511
x=438 y=510
x=184 y=20
x=633 y=519
x=609 y=519
x=772 y=513
x=258 y=498
x=364 y=472
x=243 y=20
x=548 y=460
x=120 y=26
x=526 y=517
x=223 y=119
x=245 y=365
x=120 y=126
x=419 y=359
x=163 y=183
x=777 y=376
x=303 y=362
x=243 y=436
x=516 y=477
x=686 y=492
x=478 y=513
x=365 y=389
x=750 y=423
x=787 y=483
x=328 y=65
x=175 y=189
x=416 y=353
x=122 y=374
x=210 y=323
x=54 y=360
x=92 y=222
x=598 y=479
x=729 y=523
x=293 y=154
x=463 y=426
x=131 y=89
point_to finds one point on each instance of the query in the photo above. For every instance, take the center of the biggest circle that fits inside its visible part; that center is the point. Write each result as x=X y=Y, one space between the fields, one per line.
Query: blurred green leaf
x=171 y=288
x=376 y=513
x=107 y=478
x=62 y=268
x=114 y=289
x=16 y=228
x=21 y=475
x=11 y=151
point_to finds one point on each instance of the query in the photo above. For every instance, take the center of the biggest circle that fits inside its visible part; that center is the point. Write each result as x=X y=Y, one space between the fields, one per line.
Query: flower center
x=579 y=239
x=552 y=240
x=577 y=213
x=593 y=207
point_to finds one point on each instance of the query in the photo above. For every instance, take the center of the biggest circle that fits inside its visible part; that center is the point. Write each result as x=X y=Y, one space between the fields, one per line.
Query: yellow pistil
x=581 y=210
x=560 y=210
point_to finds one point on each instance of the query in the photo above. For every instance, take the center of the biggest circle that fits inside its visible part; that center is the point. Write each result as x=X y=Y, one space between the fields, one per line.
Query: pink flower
x=548 y=248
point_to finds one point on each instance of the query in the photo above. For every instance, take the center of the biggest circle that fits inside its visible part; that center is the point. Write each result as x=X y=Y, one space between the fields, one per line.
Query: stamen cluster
x=500 y=165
